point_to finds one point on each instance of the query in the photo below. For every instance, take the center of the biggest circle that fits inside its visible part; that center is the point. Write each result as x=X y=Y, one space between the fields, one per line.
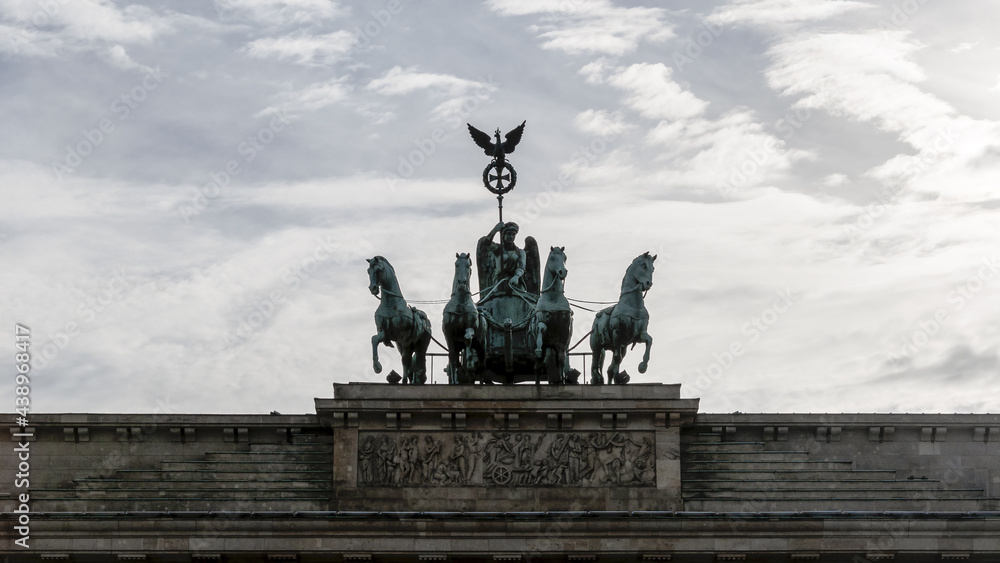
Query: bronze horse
x=462 y=326
x=624 y=323
x=396 y=321
x=553 y=320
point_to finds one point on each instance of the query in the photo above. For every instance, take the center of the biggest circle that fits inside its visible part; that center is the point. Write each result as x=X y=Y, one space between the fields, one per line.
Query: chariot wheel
x=501 y=475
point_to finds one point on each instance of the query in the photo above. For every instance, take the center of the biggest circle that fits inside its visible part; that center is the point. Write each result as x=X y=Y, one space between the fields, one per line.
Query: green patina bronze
x=397 y=322
x=520 y=328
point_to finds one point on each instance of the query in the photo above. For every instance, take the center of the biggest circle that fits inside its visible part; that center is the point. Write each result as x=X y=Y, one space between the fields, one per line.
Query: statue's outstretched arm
x=496 y=229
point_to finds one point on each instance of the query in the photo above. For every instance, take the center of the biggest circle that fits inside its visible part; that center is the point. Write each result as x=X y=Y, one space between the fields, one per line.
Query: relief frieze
x=507 y=459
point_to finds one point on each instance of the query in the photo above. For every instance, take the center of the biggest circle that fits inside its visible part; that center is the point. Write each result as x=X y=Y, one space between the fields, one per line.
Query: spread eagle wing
x=484 y=140
x=513 y=138
x=532 y=267
x=483 y=263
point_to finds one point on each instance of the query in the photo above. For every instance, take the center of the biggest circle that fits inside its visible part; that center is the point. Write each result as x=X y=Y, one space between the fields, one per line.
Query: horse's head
x=373 y=274
x=377 y=268
x=556 y=263
x=640 y=274
x=463 y=272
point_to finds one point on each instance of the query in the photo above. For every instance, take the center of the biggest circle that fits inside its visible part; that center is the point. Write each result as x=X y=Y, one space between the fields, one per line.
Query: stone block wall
x=911 y=462
x=101 y=462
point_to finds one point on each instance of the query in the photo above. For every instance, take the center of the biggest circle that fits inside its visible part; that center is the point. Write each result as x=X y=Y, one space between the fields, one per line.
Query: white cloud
x=397 y=82
x=119 y=57
x=871 y=77
x=590 y=26
x=86 y=21
x=594 y=71
x=727 y=156
x=835 y=180
x=860 y=75
x=310 y=98
x=276 y=13
x=601 y=122
x=781 y=12
x=962 y=47
x=879 y=106
x=651 y=91
x=303 y=48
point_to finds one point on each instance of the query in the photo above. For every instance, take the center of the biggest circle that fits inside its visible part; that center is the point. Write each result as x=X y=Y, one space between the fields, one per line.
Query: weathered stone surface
x=277 y=486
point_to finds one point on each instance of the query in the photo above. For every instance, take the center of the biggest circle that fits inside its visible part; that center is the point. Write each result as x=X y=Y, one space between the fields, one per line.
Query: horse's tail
x=601 y=334
x=421 y=323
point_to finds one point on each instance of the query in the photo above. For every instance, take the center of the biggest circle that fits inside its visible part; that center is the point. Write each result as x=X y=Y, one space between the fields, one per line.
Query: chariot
x=519 y=327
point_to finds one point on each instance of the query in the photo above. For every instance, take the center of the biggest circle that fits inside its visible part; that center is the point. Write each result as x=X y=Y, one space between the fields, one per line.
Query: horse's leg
x=467 y=364
x=596 y=360
x=556 y=372
x=645 y=337
x=616 y=363
x=420 y=358
x=616 y=356
x=479 y=349
x=375 y=340
x=454 y=359
x=541 y=365
x=540 y=338
x=406 y=356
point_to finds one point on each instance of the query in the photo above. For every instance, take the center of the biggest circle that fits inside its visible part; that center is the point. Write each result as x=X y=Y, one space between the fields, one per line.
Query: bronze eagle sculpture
x=497 y=149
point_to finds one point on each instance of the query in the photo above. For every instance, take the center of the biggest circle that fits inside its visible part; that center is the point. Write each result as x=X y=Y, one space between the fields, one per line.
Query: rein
x=551 y=285
x=390 y=292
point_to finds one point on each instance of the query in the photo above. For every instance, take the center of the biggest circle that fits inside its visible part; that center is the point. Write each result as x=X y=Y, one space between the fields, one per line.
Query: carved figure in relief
x=431 y=456
x=366 y=455
x=539 y=471
x=524 y=453
x=499 y=451
x=602 y=457
x=384 y=465
x=446 y=474
x=645 y=469
x=507 y=459
x=410 y=472
x=475 y=460
x=574 y=450
x=461 y=456
x=559 y=459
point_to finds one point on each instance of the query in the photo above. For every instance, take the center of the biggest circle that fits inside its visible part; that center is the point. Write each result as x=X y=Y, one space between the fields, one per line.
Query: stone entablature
x=506 y=459
x=492 y=447
x=761 y=487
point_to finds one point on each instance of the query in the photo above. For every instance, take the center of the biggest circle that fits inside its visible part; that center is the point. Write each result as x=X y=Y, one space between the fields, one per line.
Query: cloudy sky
x=191 y=189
